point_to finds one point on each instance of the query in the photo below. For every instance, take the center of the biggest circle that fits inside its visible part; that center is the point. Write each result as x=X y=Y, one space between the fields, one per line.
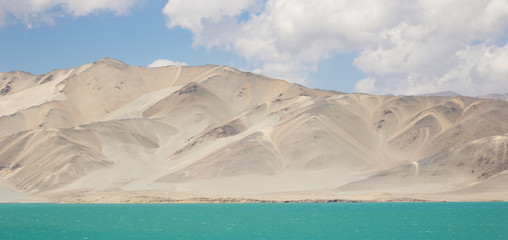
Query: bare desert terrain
x=112 y=132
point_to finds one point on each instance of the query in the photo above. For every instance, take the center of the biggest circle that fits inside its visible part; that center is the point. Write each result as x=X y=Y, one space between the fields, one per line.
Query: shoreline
x=146 y=199
x=323 y=196
x=205 y=200
x=242 y=200
x=257 y=201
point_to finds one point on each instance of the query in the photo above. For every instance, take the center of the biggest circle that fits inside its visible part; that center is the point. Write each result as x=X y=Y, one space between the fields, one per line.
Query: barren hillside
x=112 y=132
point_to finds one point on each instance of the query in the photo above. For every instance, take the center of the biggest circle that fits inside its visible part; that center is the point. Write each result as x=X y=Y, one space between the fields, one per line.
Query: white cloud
x=283 y=38
x=34 y=12
x=191 y=14
x=366 y=84
x=444 y=47
x=406 y=46
x=165 y=62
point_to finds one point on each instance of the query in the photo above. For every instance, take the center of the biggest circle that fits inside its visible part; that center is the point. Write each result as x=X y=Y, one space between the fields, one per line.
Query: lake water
x=488 y=220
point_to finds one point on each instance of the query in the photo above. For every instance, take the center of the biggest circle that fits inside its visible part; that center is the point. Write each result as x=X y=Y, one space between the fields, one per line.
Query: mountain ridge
x=112 y=132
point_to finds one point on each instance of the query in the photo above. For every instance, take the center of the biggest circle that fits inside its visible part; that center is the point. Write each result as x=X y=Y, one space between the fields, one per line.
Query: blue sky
x=381 y=47
x=137 y=38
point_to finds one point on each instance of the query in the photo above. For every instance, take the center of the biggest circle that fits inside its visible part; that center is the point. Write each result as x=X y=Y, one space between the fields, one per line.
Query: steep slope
x=108 y=130
x=16 y=81
x=41 y=160
x=451 y=170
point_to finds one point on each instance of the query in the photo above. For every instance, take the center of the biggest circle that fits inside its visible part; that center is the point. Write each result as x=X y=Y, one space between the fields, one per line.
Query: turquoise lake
x=476 y=220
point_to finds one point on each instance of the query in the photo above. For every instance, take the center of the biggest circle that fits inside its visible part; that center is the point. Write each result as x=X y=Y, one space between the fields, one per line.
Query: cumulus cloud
x=445 y=46
x=404 y=47
x=165 y=62
x=32 y=13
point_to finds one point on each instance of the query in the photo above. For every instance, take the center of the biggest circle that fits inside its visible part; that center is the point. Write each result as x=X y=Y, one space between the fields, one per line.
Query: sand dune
x=111 y=132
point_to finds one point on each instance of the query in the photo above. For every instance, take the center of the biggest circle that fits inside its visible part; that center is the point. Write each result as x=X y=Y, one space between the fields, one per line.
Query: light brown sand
x=111 y=132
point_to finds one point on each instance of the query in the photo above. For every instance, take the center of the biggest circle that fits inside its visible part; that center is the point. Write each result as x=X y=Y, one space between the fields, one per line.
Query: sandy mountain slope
x=112 y=132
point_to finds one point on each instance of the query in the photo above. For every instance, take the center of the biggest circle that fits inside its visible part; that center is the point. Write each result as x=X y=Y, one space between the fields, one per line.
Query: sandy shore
x=283 y=197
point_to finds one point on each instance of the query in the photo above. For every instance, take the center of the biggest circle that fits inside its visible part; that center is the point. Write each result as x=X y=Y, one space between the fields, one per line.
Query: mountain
x=112 y=132
x=496 y=96
x=441 y=94
x=454 y=94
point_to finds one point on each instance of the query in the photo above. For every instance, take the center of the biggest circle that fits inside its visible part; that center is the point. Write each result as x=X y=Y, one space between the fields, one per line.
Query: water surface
x=487 y=220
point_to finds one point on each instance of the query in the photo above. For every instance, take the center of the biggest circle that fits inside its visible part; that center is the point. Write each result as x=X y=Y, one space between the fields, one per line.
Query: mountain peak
x=109 y=60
